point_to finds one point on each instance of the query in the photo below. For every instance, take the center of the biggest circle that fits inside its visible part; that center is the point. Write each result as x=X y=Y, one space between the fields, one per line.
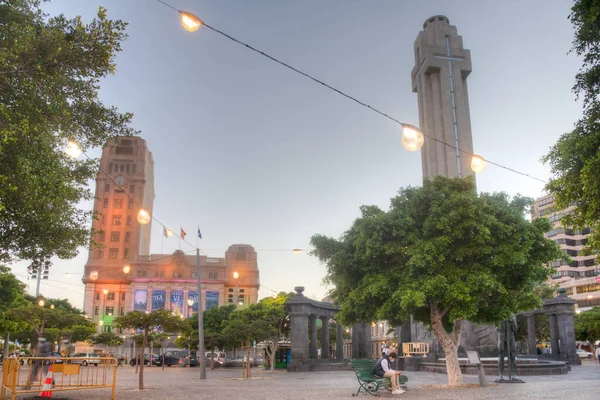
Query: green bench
x=368 y=382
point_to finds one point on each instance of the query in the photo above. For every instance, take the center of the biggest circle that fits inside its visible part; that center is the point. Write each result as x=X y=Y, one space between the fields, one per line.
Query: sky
x=254 y=153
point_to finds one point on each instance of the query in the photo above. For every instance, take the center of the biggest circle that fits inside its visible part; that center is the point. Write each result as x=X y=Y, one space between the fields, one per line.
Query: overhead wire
x=346 y=95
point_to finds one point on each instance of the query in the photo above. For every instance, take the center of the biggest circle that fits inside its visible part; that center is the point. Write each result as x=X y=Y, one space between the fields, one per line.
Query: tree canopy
x=574 y=159
x=50 y=73
x=442 y=254
x=587 y=325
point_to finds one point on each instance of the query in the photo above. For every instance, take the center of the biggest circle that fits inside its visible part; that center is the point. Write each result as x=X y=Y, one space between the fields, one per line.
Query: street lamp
x=190 y=22
x=94 y=275
x=143 y=217
x=126 y=269
x=412 y=137
x=41 y=303
x=103 y=314
x=478 y=163
x=236 y=277
x=297 y=251
x=72 y=149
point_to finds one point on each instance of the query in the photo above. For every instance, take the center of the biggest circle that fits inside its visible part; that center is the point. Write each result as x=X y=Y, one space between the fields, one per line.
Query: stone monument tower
x=440 y=80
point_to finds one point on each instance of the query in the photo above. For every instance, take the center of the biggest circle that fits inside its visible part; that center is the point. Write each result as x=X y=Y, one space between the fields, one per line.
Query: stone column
x=356 y=340
x=313 y=350
x=553 y=323
x=325 y=337
x=339 y=342
x=531 y=334
x=299 y=341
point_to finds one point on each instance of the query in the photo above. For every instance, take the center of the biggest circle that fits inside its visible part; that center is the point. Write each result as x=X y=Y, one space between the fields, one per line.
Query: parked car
x=155 y=360
x=584 y=354
x=84 y=359
x=170 y=358
x=57 y=358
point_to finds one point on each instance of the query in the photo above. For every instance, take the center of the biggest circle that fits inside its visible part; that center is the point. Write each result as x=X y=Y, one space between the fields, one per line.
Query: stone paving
x=583 y=382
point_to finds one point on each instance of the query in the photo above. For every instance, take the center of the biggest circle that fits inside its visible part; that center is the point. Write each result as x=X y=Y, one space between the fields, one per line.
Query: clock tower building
x=124 y=185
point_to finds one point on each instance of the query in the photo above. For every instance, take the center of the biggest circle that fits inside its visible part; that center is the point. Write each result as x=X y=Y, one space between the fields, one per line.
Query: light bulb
x=189 y=21
x=72 y=149
x=41 y=303
x=478 y=164
x=412 y=138
x=236 y=275
x=105 y=291
x=297 y=251
x=169 y=232
x=126 y=269
x=143 y=217
x=94 y=275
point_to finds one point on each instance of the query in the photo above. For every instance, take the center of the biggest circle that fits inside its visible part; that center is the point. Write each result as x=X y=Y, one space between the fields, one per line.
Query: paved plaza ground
x=583 y=382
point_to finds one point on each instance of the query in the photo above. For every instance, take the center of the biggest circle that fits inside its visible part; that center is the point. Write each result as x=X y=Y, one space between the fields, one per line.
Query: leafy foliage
x=575 y=159
x=146 y=322
x=107 y=339
x=441 y=254
x=587 y=325
x=50 y=73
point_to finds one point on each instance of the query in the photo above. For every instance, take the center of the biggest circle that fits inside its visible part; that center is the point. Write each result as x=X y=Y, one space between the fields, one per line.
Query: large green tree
x=145 y=322
x=50 y=74
x=575 y=159
x=11 y=295
x=442 y=254
x=587 y=325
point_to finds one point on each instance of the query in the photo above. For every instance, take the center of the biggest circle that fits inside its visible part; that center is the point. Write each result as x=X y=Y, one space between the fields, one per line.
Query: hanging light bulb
x=274 y=295
x=72 y=149
x=236 y=275
x=412 y=137
x=41 y=303
x=190 y=22
x=105 y=291
x=143 y=217
x=297 y=251
x=94 y=275
x=478 y=164
x=126 y=269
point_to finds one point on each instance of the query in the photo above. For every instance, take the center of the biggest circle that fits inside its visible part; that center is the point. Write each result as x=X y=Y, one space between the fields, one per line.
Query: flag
x=199 y=233
x=182 y=233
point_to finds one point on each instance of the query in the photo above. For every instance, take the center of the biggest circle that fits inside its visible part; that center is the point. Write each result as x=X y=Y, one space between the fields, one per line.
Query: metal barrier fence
x=26 y=375
x=414 y=348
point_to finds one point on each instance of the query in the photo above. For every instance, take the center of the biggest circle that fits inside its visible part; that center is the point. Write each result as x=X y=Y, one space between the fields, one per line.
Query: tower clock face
x=120 y=180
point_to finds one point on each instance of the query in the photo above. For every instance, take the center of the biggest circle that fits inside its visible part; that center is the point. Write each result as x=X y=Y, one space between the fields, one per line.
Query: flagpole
x=201 y=360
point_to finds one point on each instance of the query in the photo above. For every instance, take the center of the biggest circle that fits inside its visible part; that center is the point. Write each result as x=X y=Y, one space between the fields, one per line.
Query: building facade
x=579 y=275
x=121 y=275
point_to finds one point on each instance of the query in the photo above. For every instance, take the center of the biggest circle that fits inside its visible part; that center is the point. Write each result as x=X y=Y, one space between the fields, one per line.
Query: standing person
x=43 y=349
x=598 y=353
x=383 y=369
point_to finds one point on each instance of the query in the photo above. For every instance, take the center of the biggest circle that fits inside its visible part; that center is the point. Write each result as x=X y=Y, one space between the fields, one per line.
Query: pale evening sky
x=256 y=154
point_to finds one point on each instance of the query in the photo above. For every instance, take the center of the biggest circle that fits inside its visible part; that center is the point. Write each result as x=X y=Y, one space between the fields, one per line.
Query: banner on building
x=212 y=300
x=177 y=301
x=193 y=309
x=140 y=300
x=158 y=299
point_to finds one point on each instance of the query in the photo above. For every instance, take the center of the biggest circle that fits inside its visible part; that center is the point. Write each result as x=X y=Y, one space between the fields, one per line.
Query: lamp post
x=236 y=276
x=200 y=319
x=103 y=313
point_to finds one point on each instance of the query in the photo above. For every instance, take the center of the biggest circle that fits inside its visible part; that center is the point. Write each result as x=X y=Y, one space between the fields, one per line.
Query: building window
x=107 y=187
x=115 y=236
x=241 y=290
x=130 y=203
x=177 y=274
x=105 y=203
x=118 y=203
x=97 y=295
x=96 y=310
x=131 y=188
x=123 y=296
x=122 y=167
x=159 y=274
x=110 y=310
x=142 y=273
x=114 y=253
x=103 y=219
x=102 y=236
x=213 y=275
x=129 y=220
x=230 y=301
x=133 y=168
x=110 y=296
x=127 y=237
x=241 y=254
x=128 y=168
x=231 y=290
x=116 y=220
x=126 y=254
x=100 y=253
x=122 y=311
x=110 y=168
x=193 y=274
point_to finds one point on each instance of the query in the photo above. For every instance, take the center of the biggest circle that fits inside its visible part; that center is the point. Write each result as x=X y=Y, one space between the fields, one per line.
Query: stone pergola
x=562 y=328
x=303 y=318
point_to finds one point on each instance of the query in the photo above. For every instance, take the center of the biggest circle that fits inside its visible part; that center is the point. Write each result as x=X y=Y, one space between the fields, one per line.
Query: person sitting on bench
x=383 y=370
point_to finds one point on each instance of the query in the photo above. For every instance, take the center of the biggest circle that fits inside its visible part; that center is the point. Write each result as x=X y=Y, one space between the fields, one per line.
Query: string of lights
x=191 y=23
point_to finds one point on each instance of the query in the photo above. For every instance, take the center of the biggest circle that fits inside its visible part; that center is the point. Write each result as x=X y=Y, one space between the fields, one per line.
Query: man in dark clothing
x=383 y=370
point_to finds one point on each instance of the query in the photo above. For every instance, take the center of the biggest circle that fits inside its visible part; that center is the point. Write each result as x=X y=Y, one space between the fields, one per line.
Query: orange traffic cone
x=47 y=388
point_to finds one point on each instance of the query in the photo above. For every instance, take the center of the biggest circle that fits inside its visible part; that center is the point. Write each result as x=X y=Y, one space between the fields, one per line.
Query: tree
x=11 y=295
x=574 y=159
x=587 y=325
x=213 y=328
x=50 y=73
x=442 y=254
x=107 y=339
x=146 y=322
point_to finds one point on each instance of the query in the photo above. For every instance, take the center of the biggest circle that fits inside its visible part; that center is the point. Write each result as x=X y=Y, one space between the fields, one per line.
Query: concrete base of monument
x=509 y=381
x=526 y=367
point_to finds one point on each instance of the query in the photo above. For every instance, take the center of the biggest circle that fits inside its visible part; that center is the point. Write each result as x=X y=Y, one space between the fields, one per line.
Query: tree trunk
x=274 y=352
x=212 y=358
x=248 y=374
x=141 y=376
x=449 y=343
